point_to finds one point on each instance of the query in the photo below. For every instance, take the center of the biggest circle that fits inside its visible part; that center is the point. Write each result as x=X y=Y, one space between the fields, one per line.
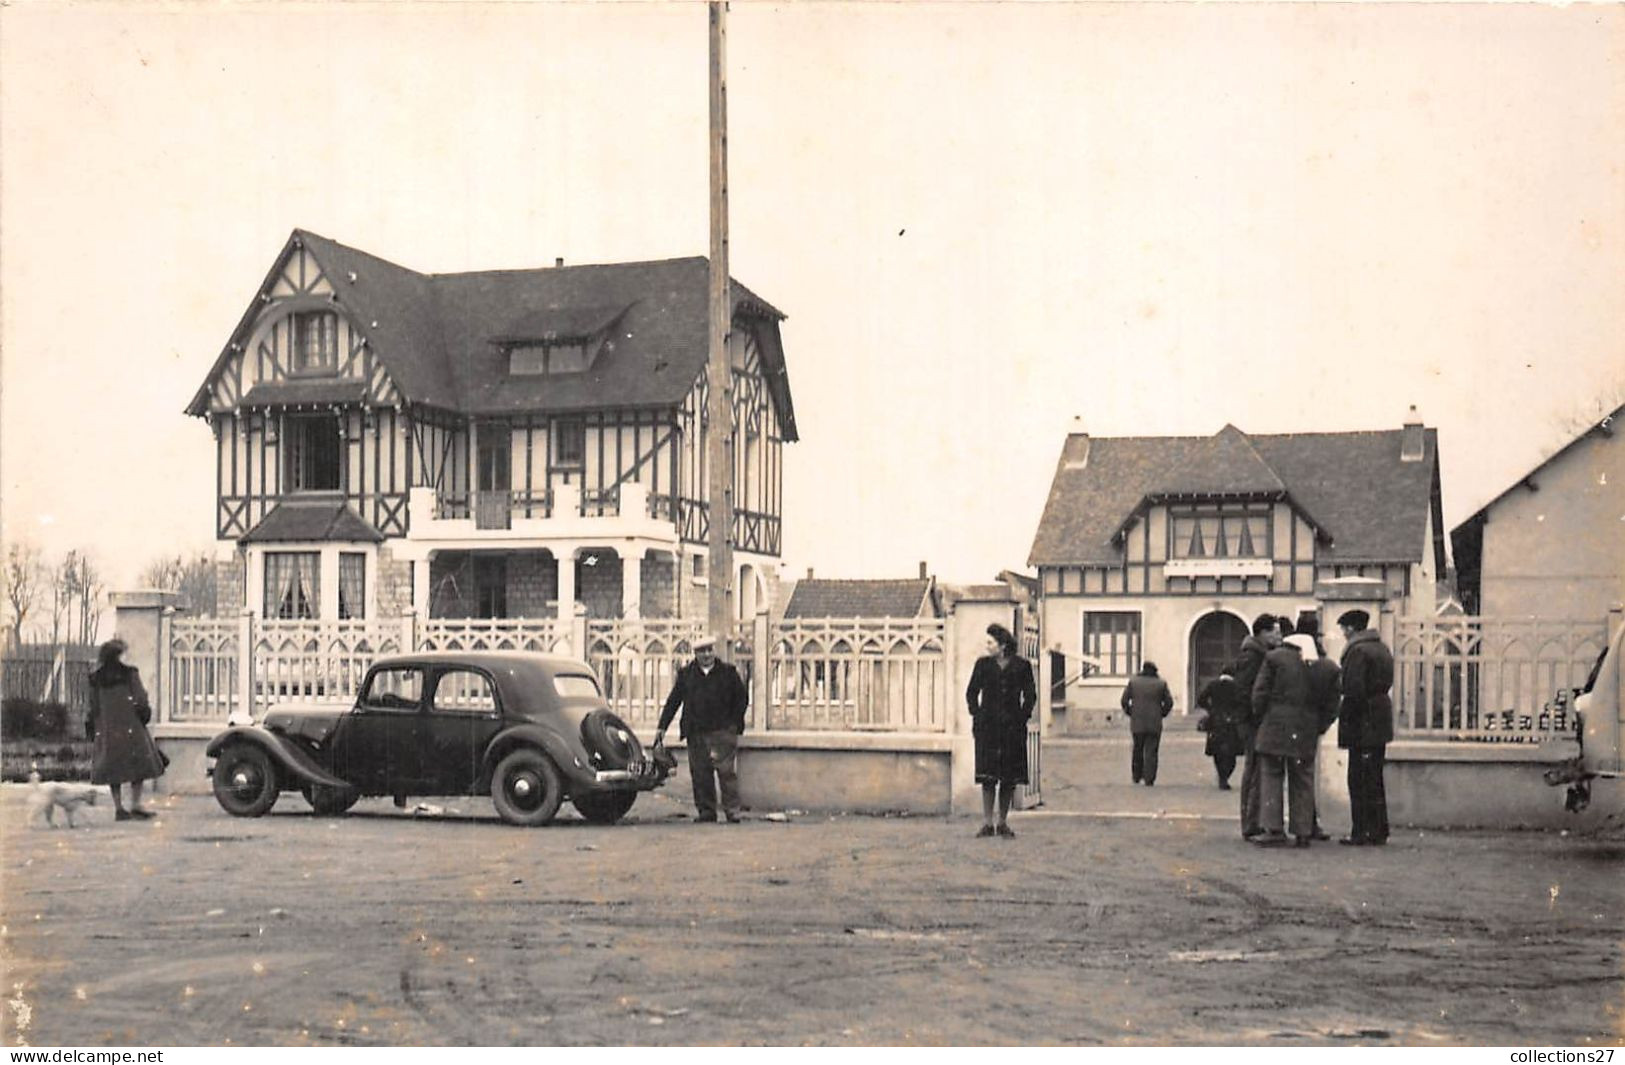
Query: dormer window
x=548 y=358
x=1231 y=531
x=315 y=342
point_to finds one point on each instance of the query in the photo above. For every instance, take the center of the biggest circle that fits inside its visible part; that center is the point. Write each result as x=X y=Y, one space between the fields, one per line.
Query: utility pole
x=719 y=368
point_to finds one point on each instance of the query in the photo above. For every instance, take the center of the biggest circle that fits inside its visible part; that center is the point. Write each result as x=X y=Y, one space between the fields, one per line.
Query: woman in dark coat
x=124 y=753
x=1001 y=697
x=1226 y=710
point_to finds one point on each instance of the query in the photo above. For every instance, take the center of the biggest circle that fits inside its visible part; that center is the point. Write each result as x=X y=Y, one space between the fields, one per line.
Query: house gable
x=297 y=343
x=1363 y=501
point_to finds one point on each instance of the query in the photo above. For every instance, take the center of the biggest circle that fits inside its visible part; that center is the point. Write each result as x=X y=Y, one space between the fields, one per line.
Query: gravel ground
x=1155 y=925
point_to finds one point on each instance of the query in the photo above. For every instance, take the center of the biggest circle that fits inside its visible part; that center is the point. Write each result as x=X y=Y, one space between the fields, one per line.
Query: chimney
x=809 y=573
x=924 y=572
x=1413 y=442
x=559 y=261
x=1075 y=453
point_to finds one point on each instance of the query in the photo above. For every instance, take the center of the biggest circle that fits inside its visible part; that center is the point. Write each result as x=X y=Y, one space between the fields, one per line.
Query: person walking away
x=1001 y=696
x=1146 y=700
x=1221 y=698
x=713 y=699
x=123 y=752
x=1365 y=727
x=1265 y=637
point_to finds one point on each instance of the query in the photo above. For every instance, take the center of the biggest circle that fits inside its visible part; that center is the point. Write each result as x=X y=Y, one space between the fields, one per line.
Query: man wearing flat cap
x=712 y=697
x=1365 y=726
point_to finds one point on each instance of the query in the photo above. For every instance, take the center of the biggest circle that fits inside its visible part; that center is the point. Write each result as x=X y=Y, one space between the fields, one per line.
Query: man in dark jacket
x=1266 y=636
x=1146 y=700
x=1365 y=726
x=1291 y=699
x=713 y=700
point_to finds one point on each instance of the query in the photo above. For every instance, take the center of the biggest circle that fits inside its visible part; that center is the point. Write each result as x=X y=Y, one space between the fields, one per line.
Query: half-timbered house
x=492 y=444
x=1166 y=548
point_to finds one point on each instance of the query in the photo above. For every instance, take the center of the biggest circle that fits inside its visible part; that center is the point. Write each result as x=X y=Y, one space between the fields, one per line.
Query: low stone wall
x=853 y=772
x=1438 y=784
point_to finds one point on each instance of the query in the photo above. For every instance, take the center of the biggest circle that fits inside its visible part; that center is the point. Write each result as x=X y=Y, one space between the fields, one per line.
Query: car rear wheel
x=245 y=781
x=604 y=807
x=526 y=788
x=328 y=801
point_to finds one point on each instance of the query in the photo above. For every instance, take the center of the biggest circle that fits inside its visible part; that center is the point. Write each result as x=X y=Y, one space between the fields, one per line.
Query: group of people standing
x=1270 y=707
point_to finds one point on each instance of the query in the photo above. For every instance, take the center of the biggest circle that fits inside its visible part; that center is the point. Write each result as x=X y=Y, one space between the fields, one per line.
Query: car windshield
x=570 y=685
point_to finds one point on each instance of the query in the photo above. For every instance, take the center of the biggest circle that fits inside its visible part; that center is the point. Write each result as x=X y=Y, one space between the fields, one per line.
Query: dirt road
x=381 y=928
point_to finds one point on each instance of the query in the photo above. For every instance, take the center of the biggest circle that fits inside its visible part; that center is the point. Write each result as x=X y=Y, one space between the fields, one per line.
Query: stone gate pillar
x=138 y=620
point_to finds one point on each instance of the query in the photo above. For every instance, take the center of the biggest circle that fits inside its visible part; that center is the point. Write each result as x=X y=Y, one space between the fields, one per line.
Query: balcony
x=566 y=512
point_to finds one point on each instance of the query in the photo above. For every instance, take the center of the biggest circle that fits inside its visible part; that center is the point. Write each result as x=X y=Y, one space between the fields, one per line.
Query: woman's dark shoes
x=122 y=815
x=1224 y=785
x=140 y=814
x=985 y=830
x=1006 y=831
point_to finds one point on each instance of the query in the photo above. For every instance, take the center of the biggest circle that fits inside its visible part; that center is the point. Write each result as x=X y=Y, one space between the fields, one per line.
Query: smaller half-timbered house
x=502 y=443
x=1166 y=548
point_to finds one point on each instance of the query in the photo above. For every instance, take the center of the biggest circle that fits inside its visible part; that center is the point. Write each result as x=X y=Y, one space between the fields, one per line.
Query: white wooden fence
x=851 y=674
x=1488 y=678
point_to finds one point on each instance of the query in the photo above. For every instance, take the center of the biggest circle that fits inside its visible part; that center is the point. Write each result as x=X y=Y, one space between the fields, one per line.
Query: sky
x=983 y=220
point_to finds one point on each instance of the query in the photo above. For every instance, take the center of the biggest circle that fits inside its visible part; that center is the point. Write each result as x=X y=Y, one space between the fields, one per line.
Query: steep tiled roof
x=312 y=519
x=438 y=335
x=818 y=597
x=1367 y=504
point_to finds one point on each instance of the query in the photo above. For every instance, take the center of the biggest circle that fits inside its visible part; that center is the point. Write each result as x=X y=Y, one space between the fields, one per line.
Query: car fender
x=299 y=764
x=565 y=757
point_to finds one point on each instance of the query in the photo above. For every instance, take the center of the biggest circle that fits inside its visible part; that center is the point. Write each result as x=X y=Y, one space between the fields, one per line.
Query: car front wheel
x=245 y=782
x=604 y=807
x=526 y=788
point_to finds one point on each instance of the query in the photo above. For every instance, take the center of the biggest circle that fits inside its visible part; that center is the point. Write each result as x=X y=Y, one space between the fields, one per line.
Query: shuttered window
x=1112 y=639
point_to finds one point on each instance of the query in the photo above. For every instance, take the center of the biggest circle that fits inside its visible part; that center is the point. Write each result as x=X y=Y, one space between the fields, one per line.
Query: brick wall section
x=598 y=587
x=228 y=586
x=658 y=586
x=394 y=594
x=533 y=585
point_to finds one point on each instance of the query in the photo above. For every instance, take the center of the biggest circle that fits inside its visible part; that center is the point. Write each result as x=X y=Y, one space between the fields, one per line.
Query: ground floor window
x=292 y=584
x=352 y=584
x=1112 y=639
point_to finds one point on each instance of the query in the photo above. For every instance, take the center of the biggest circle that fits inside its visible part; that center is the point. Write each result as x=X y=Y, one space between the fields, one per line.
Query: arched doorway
x=1215 y=640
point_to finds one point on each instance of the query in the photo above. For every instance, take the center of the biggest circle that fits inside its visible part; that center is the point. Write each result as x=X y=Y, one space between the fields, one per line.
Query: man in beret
x=713 y=699
x=1365 y=726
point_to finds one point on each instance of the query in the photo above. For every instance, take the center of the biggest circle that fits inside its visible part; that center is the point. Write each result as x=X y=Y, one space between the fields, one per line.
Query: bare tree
x=24 y=576
x=62 y=597
x=84 y=586
x=194 y=577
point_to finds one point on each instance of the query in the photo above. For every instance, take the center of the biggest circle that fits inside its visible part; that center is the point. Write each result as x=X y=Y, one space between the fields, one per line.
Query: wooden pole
x=719 y=371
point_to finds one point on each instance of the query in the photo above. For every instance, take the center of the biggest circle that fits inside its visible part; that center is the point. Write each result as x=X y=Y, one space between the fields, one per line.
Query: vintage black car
x=530 y=729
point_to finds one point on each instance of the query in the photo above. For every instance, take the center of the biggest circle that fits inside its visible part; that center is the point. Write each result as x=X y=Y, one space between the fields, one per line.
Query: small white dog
x=49 y=796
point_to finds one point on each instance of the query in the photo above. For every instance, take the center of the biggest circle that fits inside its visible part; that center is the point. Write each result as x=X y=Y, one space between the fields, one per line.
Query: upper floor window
x=548 y=358
x=570 y=442
x=1231 y=532
x=313 y=452
x=315 y=342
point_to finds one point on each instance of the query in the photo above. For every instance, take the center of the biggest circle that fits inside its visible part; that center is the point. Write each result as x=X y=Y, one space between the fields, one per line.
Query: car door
x=464 y=713
x=378 y=749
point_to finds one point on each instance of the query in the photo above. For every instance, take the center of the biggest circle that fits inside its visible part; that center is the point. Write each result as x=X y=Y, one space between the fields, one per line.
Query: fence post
x=761 y=663
x=578 y=631
x=160 y=676
x=409 y=631
x=245 y=663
